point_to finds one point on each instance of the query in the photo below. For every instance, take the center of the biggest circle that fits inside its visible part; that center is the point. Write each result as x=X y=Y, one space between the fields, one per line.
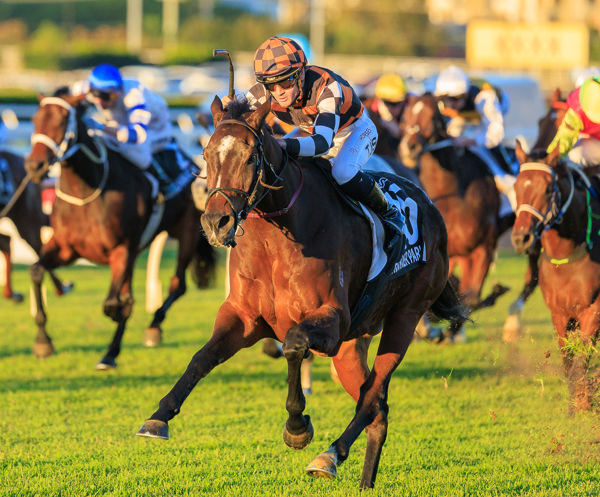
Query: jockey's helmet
x=586 y=73
x=391 y=88
x=278 y=58
x=452 y=82
x=106 y=78
x=589 y=97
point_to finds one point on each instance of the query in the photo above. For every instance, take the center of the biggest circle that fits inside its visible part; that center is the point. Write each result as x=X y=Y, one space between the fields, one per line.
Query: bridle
x=254 y=196
x=68 y=147
x=554 y=210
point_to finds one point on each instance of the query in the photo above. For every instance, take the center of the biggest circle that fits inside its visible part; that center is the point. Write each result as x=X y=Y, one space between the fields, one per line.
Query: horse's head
x=240 y=157
x=54 y=128
x=422 y=123
x=539 y=203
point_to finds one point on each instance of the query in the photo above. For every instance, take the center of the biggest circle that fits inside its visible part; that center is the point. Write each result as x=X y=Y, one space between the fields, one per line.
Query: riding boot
x=363 y=188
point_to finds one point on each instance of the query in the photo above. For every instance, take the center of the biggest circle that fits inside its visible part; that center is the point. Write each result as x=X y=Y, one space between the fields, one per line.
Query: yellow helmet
x=390 y=87
x=589 y=97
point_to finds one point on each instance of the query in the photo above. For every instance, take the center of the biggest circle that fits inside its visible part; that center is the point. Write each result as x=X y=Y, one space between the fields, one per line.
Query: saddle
x=173 y=170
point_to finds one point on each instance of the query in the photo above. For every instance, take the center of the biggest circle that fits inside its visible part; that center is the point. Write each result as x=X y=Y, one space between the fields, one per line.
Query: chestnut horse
x=104 y=212
x=459 y=184
x=555 y=207
x=298 y=271
x=24 y=209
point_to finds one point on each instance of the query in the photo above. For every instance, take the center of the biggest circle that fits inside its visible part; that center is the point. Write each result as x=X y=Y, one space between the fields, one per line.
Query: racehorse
x=555 y=207
x=547 y=126
x=104 y=212
x=462 y=189
x=298 y=271
x=26 y=214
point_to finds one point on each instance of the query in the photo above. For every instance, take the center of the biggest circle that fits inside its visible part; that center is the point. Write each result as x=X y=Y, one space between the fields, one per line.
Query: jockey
x=389 y=102
x=476 y=120
x=323 y=105
x=133 y=121
x=578 y=136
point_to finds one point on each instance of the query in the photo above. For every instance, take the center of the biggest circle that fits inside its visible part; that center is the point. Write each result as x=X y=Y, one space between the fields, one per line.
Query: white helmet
x=452 y=81
x=586 y=73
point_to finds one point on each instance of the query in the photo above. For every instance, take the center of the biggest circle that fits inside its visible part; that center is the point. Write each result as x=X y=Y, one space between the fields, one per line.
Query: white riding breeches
x=352 y=148
x=586 y=152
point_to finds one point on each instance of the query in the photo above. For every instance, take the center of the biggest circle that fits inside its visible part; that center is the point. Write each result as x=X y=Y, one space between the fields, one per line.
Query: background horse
x=297 y=273
x=461 y=187
x=27 y=216
x=104 y=212
x=555 y=207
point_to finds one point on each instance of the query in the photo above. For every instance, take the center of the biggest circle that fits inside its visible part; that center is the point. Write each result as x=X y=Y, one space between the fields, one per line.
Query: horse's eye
x=252 y=159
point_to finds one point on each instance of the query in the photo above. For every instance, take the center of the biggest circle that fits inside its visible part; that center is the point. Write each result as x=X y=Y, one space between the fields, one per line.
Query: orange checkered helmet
x=278 y=58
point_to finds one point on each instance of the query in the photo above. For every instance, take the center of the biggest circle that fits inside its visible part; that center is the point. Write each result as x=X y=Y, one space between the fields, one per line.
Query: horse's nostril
x=224 y=222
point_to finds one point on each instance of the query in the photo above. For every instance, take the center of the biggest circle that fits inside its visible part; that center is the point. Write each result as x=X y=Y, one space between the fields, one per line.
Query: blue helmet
x=106 y=78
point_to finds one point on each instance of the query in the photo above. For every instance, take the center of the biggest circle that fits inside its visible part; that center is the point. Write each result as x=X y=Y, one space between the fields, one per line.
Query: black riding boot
x=364 y=189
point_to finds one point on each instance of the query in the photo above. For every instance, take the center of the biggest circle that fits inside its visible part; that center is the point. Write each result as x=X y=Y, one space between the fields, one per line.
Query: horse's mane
x=239 y=109
x=61 y=91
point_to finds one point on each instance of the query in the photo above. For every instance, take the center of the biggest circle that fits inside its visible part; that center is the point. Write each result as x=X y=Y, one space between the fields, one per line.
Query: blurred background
x=528 y=47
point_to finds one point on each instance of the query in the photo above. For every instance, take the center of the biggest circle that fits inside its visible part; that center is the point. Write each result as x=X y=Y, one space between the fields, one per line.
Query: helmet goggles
x=285 y=82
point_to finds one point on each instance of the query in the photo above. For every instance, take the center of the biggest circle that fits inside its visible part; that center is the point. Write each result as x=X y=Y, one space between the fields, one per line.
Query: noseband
x=252 y=196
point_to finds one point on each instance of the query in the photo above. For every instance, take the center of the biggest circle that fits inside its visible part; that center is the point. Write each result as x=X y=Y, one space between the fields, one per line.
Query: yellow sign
x=501 y=45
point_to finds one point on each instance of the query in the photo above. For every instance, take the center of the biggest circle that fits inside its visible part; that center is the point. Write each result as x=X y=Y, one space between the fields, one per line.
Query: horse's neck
x=436 y=179
x=571 y=230
x=79 y=170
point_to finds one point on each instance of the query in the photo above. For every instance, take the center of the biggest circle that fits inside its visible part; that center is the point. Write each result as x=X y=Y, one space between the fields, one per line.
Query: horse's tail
x=204 y=263
x=449 y=307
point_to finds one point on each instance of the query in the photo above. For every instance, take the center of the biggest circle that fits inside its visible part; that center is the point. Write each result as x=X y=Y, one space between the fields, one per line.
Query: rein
x=253 y=196
x=65 y=150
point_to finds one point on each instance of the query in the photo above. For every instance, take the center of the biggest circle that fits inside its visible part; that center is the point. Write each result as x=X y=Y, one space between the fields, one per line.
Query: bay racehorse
x=298 y=270
x=463 y=189
x=104 y=212
x=556 y=207
x=24 y=209
x=547 y=126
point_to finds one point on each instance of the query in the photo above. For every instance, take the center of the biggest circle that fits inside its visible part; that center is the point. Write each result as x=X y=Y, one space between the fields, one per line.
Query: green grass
x=482 y=418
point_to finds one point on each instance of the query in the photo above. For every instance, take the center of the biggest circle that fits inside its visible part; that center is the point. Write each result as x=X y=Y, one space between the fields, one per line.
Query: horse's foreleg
x=320 y=331
x=126 y=304
x=42 y=347
x=226 y=340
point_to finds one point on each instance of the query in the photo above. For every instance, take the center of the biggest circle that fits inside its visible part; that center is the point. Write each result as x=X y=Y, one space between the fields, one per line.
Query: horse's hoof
x=512 y=329
x=301 y=440
x=17 y=298
x=106 y=365
x=152 y=337
x=154 y=428
x=323 y=466
x=66 y=287
x=43 y=350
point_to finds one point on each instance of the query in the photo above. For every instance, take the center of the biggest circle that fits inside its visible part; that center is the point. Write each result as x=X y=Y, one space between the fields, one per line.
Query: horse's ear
x=257 y=118
x=556 y=96
x=216 y=108
x=41 y=97
x=520 y=153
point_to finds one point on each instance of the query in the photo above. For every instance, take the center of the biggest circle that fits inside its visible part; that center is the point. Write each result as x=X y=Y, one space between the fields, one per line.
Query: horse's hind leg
x=177 y=287
x=372 y=408
x=8 y=292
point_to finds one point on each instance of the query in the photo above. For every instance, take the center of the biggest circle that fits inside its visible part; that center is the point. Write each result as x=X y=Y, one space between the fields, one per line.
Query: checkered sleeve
x=327 y=123
x=256 y=96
